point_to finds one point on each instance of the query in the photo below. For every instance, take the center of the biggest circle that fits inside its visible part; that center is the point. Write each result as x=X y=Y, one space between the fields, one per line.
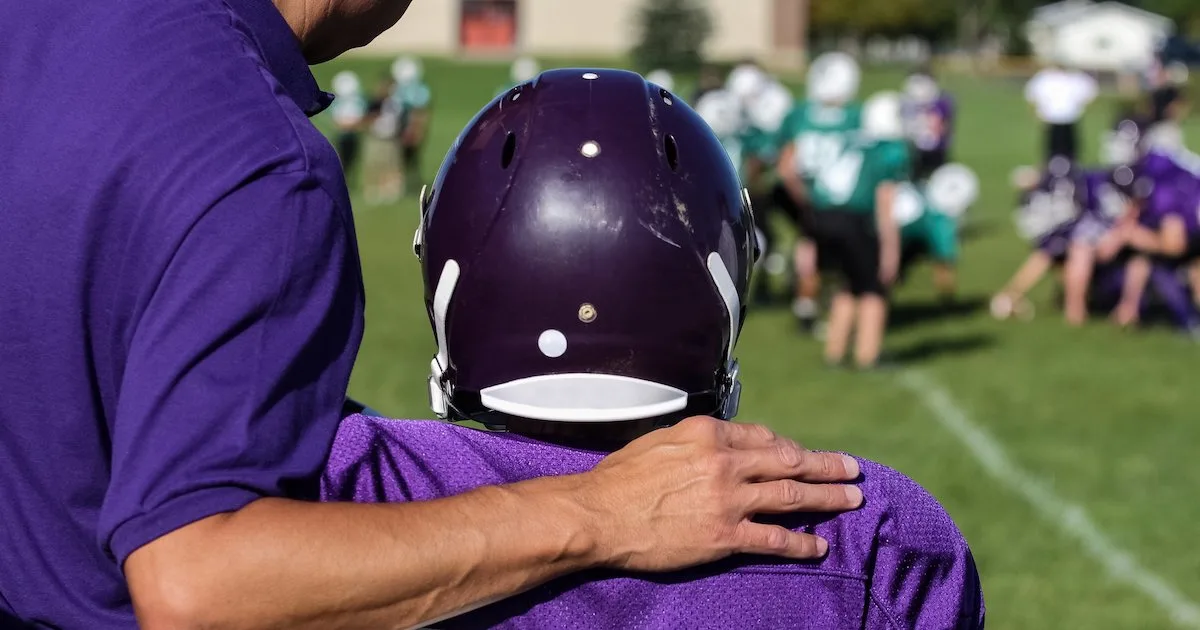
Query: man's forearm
x=287 y=563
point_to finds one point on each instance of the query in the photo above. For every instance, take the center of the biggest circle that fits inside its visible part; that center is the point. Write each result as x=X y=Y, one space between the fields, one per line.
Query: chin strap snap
x=731 y=391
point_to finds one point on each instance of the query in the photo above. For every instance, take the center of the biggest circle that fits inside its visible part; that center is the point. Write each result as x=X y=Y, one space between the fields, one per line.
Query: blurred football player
x=381 y=175
x=748 y=128
x=814 y=134
x=1162 y=235
x=349 y=109
x=852 y=192
x=587 y=250
x=930 y=216
x=929 y=122
x=412 y=100
x=1066 y=212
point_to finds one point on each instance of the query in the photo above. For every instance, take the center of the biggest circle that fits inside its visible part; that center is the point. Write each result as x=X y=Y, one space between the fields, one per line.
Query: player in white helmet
x=348 y=111
x=815 y=132
x=852 y=194
x=411 y=98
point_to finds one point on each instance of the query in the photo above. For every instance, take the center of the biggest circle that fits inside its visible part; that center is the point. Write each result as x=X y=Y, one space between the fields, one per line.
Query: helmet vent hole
x=510 y=148
x=672 y=151
x=666 y=96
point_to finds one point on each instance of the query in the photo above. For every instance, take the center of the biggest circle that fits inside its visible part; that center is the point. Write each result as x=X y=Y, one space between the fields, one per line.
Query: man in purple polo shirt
x=182 y=304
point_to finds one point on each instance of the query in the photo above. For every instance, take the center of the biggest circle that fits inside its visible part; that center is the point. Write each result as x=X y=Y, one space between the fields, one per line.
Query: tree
x=672 y=34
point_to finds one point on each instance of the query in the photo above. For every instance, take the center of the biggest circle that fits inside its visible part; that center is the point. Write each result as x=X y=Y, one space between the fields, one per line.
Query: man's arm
x=674 y=498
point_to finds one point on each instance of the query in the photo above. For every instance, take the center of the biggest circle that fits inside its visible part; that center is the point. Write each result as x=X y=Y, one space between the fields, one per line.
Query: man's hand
x=684 y=496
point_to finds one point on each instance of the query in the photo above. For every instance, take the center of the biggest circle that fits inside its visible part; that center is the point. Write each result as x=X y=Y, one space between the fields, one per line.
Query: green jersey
x=819 y=133
x=924 y=227
x=847 y=180
x=750 y=143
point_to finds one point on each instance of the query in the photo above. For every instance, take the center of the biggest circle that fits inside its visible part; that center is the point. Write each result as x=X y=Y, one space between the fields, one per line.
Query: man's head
x=746 y=80
x=586 y=250
x=833 y=79
x=328 y=28
x=722 y=111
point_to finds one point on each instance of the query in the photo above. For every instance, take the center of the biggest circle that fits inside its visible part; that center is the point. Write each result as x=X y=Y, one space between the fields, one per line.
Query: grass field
x=1095 y=419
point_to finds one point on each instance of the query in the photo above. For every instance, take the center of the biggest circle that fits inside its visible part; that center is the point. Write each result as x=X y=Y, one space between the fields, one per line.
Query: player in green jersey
x=929 y=217
x=815 y=132
x=852 y=191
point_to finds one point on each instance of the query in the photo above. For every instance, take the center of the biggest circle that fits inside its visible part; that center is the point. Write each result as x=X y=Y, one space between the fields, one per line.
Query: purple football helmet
x=586 y=248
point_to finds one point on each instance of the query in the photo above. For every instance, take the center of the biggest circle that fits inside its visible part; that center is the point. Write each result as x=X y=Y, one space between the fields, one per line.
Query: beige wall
x=429 y=26
x=741 y=28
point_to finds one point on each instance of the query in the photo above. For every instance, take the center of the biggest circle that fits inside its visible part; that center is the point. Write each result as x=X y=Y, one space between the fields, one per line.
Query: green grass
x=1111 y=419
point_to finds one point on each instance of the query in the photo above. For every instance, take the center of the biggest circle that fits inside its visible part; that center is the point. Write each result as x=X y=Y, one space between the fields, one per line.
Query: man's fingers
x=785 y=495
x=787 y=460
x=773 y=540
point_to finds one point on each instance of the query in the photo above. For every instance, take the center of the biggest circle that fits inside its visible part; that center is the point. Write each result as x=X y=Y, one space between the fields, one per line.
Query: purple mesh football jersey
x=897 y=562
x=1169 y=189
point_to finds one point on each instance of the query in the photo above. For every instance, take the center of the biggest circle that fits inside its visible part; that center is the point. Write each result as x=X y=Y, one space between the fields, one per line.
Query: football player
x=929 y=216
x=748 y=126
x=349 y=109
x=851 y=190
x=1163 y=236
x=587 y=249
x=929 y=121
x=814 y=134
x=1066 y=213
x=412 y=98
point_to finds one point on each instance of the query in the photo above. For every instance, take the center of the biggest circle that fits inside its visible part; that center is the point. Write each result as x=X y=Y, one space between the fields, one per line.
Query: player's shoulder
x=897 y=514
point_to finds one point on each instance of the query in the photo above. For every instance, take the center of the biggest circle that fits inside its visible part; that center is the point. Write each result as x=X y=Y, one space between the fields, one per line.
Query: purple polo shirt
x=180 y=293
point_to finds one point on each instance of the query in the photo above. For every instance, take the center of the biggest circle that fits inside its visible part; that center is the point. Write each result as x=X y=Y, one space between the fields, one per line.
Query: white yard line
x=1069 y=517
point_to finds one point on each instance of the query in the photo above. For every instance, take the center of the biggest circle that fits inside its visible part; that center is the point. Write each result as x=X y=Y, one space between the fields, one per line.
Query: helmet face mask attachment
x=586 y=249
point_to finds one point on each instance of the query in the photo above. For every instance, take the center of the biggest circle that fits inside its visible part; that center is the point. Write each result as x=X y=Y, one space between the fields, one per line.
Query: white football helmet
x=908 y=205
x=406 y=69
x=346 y=83
x=767 y=111
x=833 y=78
x=719 y=108
x=882 y=119
x=746 y=81
x=952 y=189
x=921 y=88
x=663 y=79
x=524 y=69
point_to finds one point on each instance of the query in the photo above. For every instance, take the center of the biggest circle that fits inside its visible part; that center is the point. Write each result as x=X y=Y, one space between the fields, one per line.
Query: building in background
x=1097 y=36
x=771 y=31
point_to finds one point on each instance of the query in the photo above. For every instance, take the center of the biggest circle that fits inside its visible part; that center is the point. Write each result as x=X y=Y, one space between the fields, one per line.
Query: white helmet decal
x=952 y=189
x=882 y=119
x=833 y=78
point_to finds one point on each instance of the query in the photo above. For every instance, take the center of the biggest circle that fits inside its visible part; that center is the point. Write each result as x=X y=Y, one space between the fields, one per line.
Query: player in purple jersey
x=929 y=120
x=586 y=250
x=1163 y=237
